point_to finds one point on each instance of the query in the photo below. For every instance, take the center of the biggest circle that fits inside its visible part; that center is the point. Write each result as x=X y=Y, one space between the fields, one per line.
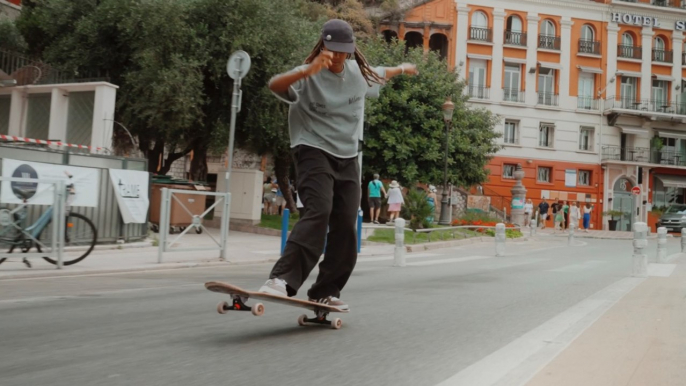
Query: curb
x=454 y=243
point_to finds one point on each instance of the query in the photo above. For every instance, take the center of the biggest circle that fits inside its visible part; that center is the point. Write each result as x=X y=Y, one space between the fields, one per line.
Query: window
x=479 y=20
x=659 y=95
x=627 y=92
x=585 y=94
x=509 y=170
x=545 y=135
x=547 y=39
x=510 y=135
x=477 y=79
x=587 y=33
x=585 y=177
x=627 y=49
x=659 y=44
x=548 y=28
x=544 y=174
x=514 y=24
x=546 y=87
x=627 y=39
x=513 y=31
x=587 y=43
x=513 y=78
x=586 y=138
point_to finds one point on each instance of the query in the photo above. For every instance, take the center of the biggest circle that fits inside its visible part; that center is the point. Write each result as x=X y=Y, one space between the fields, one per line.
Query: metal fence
x=105 y=216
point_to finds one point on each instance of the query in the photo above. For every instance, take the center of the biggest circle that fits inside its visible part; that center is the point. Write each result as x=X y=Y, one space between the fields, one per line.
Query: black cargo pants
x=329 y=188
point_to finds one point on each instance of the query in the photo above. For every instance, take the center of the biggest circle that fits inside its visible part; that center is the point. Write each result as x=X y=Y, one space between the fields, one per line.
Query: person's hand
x=323 y=60
x=409 y=69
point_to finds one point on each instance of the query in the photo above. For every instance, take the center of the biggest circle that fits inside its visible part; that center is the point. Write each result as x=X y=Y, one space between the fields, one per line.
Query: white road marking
x=661 y=270
x=516 y=363
x=390 y=257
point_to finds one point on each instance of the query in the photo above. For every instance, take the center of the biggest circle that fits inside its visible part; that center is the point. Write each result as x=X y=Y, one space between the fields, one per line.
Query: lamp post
x=448 y=108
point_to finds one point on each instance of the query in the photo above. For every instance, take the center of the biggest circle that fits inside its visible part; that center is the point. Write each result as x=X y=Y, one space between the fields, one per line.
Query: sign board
x=131 y=190
x=625 y=18
x=517 y=203
x=570 y=178
x=86 y=182
x=636 y=191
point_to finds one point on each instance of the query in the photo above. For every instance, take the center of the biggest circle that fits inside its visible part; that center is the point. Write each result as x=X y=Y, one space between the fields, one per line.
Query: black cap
x=338 y=36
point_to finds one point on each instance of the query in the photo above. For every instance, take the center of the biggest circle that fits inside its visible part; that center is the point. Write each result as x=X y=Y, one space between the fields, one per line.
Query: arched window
x=659 y=44
x=587 y=33
x=660 y=53
x=627 y=39
x=514 y=24
x=587 y=44
x=479 y=20
x=479 y=30
x=548 y=28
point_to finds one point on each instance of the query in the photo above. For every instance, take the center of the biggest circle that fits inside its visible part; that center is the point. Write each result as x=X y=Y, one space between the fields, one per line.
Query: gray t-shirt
x=327 y=109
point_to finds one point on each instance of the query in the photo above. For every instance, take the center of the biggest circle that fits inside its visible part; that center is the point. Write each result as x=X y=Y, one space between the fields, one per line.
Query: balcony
x=549 y=42
x=514 y=95
x=478 y=92
x=548 y=99
x=674 y=108
x=587 y=103
x=643 y=155
x=515 y=38
x=663 y=56
x=27 y=71
x=631 y=52
x=481 y=34
x=589 y=47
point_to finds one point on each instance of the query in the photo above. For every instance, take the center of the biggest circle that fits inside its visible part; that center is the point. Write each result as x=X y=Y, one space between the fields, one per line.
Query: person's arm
x=403 y=69
x=280 y=84
x=384 y=191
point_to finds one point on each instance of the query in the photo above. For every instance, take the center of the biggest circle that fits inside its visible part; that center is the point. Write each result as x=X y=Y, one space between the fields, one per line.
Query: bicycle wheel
x=79 y=239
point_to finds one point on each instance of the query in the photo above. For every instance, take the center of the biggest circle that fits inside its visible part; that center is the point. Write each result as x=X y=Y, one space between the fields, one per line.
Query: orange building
x=590 y=94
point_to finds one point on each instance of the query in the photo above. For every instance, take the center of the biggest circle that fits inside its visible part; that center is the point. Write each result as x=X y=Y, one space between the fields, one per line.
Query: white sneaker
x=275 y=287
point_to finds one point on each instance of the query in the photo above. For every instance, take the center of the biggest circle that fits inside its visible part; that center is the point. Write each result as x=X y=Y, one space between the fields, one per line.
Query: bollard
x=640 y=260
x=662 y=245
x=359 y=230
x=570 y=237
x=500 y=239
x=399 y=253
x=532 y=230
x=683 y=240
x=284 y=228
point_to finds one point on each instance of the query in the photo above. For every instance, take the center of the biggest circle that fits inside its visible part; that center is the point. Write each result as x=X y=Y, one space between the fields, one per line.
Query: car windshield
x=678 y=209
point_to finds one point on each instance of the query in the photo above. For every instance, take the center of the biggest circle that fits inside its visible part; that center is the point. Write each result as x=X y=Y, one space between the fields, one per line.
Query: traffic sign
x=238 y=65
x=636 y=191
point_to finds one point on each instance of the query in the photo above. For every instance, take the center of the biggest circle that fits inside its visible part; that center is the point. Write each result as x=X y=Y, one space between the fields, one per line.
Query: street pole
x=237 y=67
x=448 y=107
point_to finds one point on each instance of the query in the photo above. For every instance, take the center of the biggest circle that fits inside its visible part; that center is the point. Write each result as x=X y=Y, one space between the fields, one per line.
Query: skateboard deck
x=239 y=296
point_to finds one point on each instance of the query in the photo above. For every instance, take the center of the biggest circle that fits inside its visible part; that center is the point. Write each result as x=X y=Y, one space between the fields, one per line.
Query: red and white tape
x=12 y=138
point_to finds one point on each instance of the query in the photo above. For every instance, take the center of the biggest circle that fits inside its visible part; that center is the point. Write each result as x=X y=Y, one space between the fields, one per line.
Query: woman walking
x=588 y=208
x=431 y=199
x=395 y=201
x=326 y=97
x=574 y=215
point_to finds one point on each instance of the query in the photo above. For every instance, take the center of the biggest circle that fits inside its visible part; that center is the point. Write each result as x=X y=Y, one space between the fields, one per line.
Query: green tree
x=405 y=132
x=11 y=37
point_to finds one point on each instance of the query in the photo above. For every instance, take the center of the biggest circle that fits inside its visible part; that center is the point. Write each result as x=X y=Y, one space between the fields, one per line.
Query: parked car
x=671 y=218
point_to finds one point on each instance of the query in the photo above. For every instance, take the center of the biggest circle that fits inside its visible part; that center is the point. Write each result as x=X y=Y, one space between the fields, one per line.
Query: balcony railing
x=663 y=56
x=481 y=34
x=514 y=95
x=589 y=47
x=631 y=52
x=478 y=92
x=587 y=103
x=548 y=99
x=654 y=106
x=683 y=58
x=549 y=42
x=515 y=38
x=644 y=155
x=28 y=71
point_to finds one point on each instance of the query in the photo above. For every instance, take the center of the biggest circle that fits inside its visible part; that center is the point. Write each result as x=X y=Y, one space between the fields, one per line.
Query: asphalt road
x=417 y=325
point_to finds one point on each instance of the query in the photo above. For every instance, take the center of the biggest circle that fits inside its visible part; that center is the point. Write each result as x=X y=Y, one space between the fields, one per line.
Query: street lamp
x=448 y=108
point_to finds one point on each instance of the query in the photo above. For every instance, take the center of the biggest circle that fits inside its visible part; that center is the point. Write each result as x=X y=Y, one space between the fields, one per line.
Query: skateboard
x=239 y=296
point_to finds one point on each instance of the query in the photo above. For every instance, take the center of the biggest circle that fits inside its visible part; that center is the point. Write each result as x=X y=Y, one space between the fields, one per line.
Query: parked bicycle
x=80 y=235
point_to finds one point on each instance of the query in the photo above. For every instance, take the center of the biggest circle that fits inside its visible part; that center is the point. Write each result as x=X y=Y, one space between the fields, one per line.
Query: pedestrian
x=565 y=210
x=559 y=217
x=326 y=114
x=395 y=201
x=588 y=208
x=574 y=215
x=555 y=207
x=431 y=199
x=269 y=195
x=375 y=188
x=528 y=209
x=543 y=211
x=280 y=200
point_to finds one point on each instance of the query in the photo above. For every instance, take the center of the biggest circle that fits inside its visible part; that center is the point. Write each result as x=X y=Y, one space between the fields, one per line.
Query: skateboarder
x=326 y=97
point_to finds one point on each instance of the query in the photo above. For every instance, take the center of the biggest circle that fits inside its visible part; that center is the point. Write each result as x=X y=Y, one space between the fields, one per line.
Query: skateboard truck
x=239 y=305
x=320 y=319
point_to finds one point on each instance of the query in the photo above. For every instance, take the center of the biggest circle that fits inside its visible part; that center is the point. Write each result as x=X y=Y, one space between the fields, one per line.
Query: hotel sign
x=644 y=21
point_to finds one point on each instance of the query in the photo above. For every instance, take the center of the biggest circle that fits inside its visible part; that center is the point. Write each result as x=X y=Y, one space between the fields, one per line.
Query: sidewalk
x=591 y=234
x=640 y=341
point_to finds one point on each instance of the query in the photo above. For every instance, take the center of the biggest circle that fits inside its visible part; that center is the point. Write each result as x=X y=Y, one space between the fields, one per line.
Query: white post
x=500 y=239
x=399 y=253
x=640 y=260
x=570 y=237
x=661 y=245
x=683 y=240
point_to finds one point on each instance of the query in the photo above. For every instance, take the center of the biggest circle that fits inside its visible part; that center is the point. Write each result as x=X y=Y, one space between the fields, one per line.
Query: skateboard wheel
x=336 y=323
x=302 y=319
x=258 y=309
x=223 y=307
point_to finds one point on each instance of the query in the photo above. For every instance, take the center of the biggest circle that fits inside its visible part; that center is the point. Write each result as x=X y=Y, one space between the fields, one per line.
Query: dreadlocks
x=367 y=72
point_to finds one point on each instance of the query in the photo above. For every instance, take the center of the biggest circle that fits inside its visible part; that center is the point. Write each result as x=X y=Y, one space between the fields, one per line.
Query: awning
x=632 y=74
x=672 y=181
x=554 y=66
x=671 y=133
x=635 y=130
x=514 y=60
x=663 y=77
x=592 y=70
x=477 y=56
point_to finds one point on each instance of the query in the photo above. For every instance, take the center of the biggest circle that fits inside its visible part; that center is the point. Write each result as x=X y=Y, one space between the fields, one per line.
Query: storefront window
x=666 y=196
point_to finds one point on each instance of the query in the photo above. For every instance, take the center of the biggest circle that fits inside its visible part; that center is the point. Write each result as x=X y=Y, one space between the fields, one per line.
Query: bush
x=471 y=217
x=416 y=209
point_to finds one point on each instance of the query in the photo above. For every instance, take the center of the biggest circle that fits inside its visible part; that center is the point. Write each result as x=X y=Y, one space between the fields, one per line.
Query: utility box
x=246 y=195
x=178 y=216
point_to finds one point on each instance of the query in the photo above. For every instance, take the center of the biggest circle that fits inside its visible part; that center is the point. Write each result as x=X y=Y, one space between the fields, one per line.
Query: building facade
x=590 y=94
x=10 y=8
